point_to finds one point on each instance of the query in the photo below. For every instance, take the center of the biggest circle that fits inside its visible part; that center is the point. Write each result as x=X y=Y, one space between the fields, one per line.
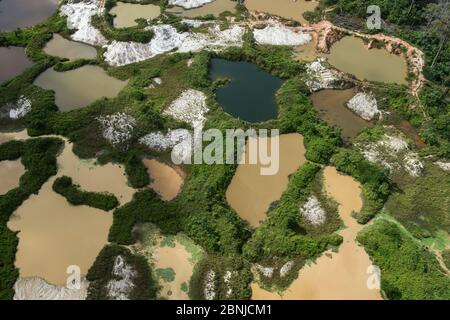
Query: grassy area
x=446 y=258
x=167 y=274
x=408 y=270
x=422 y=206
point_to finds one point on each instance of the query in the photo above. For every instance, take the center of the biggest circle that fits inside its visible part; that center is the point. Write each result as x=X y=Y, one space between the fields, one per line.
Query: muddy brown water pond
x=8 y=136
x=251 y=193
x=13 y=61
x=16 y=14
x=127 y=13
x=215 y=8
x=53 y=234
x=351 y=55
x=10 y=173
x=341 y=275
x=331 y=107
x=307 y=52
x=287 y=9
x=72 y=50
x=166 y=181
x=78 y=88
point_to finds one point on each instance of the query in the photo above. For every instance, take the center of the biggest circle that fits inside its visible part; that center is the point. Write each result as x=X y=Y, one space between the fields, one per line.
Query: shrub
x=65 y=187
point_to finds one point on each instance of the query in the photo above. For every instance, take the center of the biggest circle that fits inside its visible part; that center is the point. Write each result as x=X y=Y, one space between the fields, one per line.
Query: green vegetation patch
x=168 y=241
x=333 y=221
x=101 y=273
x=184 y=287
x=423 y=205
x=221 y=278
x=408 y=269
x=167 y=274
x=281 y=275
x=194 y=250
x=446 y=258
x=65 y=187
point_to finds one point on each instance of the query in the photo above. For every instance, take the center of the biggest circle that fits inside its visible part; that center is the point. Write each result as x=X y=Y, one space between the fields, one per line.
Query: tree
x=438 y=16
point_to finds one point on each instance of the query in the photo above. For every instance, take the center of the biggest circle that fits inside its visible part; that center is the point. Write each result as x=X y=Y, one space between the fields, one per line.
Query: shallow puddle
x=288 y=9
x=331 y=107
x=127 y=13
x=78 y=88
x=16 y=14
x=166 y=181
x=341 y=275
x=251 y=193
x=13 y=61
x=215 y=8
x=53 y=234
x=61 y=47
x=352 y=56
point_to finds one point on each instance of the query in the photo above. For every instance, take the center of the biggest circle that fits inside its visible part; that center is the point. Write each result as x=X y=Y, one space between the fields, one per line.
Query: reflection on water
x=215 y=8
x=78 y=88
x=71 y=50
x=251 y=193
x=242 y=97
x=13 y=61
x=127 y=13
x=341 y=275
x=16 y=14
x=53 y=234
x=331 y=107
x=288 y=9
x=352 y=56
